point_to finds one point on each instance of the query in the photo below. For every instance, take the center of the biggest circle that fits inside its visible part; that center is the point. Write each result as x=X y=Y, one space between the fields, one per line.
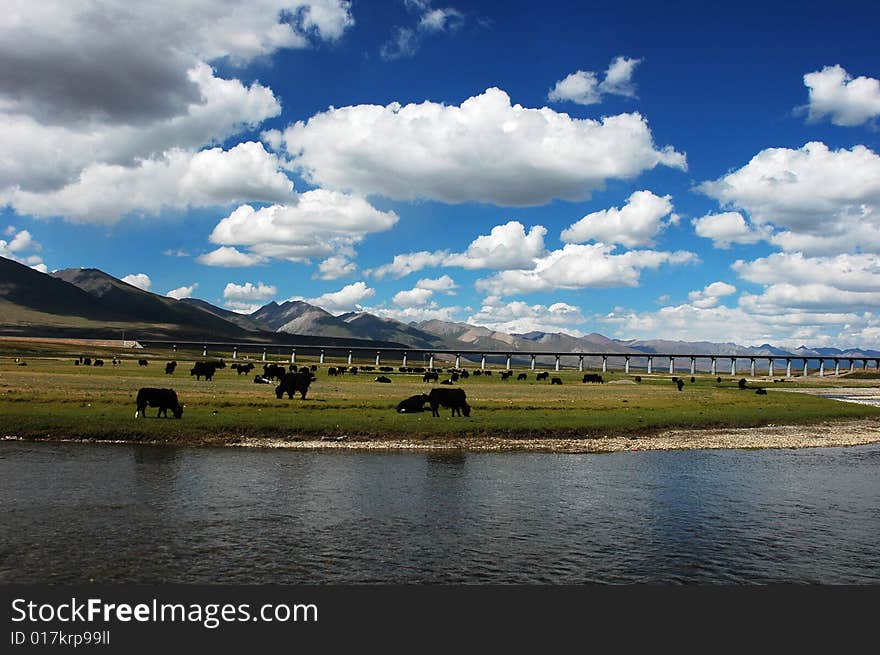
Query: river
x=123 y=513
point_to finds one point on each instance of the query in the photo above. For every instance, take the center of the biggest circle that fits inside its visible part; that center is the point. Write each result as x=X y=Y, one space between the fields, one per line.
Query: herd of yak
x=293 y=380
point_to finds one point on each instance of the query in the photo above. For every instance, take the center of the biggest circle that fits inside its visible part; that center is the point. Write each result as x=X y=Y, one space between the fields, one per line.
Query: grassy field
x=52 y=398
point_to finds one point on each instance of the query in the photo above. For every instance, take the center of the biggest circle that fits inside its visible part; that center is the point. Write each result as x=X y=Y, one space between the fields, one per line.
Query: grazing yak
x=382 y=378
x=413 y=404
x=169 y=367
x=142 y=362
x=455 y=399
x=505 y=375
x=447 y=382
x=98 y=362
x=761 y=391
x=742 y=383
x=430 y=376
x=206 y=369
x=680 y=384
x=243 y=369
x=555 y=380
x=522 y=376
x=332 y=372
x=259 y=379
x=163 y=399
x=294 y=383
x=543 y=375
x=594 y=378
x=353 y=370
x=274 y=371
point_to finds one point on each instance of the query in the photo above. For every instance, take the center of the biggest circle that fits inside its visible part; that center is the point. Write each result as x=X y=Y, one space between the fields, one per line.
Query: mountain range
x=87 y=302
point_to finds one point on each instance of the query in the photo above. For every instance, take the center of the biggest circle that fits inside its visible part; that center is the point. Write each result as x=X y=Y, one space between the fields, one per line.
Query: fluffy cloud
x=708 y=296
x=229 y=257
x=249 y=291
x=248 y=297
x=347 y=299
x=746 y=327
x=421 y=295
x=320 y=224
x=406 y=40
x=19 y=245
x=335 y=267
x=443 y=283
x=819 y=200
x=484 y=150
x=429 y=312
x=183 y=292
x=132 y=59
x=578 y=266
x=139 y=99
x=727 y=228
x=635 y=224
x=104 y=193
x=584 y=88
x=847 y=101
x=412 y=298
x=856 y=272
x=520 y=317
x=581 y=87
x=506 y=246
x=140 y=280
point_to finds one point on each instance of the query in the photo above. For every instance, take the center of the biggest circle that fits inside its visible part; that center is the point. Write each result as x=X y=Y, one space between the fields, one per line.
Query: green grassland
x=52 y=398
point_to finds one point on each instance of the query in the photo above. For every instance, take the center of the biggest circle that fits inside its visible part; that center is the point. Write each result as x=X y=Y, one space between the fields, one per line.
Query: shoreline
x=825 y=434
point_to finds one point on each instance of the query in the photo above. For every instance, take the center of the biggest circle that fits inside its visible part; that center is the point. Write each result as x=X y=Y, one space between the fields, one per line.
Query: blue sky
x=639 y=170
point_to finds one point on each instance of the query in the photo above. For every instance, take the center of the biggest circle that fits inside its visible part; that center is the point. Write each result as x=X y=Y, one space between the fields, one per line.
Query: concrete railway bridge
x=822 y=364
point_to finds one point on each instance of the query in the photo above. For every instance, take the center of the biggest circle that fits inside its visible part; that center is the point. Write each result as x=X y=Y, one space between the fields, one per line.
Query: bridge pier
x=821 y=368
x=770 y=367
x=404 y=360
x=714 y=367
x=788 y=368
x=321 y=357
x=457 y=360
x=264 y=354
x=507 y=365
x=349 y=358
x=205 y=351
x=852 y=365
x=235 y=353
x=431 y=361
x=174 y=347
x=557 y=363
x=532 y=363
x=482 y=362
x=626 y=365
x=752 y=366
x=733 y=366
x=693 y=365
x=837 y=367
x=650 y=365
x=293 y=355
x=604 y=363
x=671 y=365
x=806 y=366
x=581 y=363
x=378 y=357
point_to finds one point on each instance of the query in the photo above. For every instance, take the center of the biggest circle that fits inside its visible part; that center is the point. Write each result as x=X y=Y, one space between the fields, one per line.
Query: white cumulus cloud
x=584 y=87
x=485 y=150
x=817 y=200
x=320 y=223
x=634 y=224
x=183 y=292
x=520 y=317
x=580 y=266
x=710 y=294
x=139 y=280
x=847 y=101
x=728 y=228
x=348 y=299
x=229 y=257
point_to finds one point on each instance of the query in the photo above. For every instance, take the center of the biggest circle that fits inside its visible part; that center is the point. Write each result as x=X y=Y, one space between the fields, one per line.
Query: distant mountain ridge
x=91 y=300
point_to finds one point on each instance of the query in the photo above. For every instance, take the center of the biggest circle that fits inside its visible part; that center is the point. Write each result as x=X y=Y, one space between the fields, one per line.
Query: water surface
x=125 y=513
